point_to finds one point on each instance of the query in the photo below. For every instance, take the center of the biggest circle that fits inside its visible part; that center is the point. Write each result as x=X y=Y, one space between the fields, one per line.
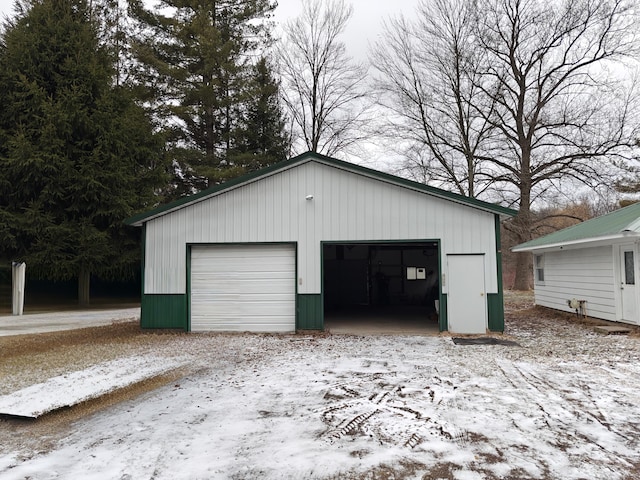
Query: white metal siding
x=243 y=287
x=346 y=206
x=584 y=274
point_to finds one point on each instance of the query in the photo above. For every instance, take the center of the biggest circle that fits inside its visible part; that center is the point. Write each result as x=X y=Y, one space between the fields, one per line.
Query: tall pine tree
x=194 y=60
x=262 y=140
x=77 y=155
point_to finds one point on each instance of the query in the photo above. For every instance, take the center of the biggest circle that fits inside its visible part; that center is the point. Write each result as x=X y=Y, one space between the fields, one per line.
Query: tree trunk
x=84 y=281
x=524 y=271
x=524 y=265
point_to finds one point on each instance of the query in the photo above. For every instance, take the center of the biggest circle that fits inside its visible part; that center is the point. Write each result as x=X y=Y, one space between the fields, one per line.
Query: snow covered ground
x=566 y=405
x=75 y=387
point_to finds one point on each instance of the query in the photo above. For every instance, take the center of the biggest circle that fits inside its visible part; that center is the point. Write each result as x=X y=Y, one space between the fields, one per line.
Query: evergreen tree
x=263 y=139
x=113 y=25
x=76 y=153
x=194 y=58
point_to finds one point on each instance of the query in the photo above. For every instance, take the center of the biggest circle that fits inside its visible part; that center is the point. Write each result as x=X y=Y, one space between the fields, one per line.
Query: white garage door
x=243 y=288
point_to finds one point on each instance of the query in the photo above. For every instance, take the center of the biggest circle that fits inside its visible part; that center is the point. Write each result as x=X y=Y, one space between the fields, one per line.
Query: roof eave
x=141 y=218
x=578 y=242
x=504 y=212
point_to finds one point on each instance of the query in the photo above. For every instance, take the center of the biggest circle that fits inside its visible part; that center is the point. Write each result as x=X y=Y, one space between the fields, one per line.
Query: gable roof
x=617 y=224
x=141 y=218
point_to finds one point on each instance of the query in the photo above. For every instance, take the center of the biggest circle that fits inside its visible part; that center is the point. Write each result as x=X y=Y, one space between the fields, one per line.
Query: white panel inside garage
x=243 y=288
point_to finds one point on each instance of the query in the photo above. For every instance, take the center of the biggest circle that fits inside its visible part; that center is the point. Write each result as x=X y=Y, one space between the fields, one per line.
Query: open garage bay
x=381 y=287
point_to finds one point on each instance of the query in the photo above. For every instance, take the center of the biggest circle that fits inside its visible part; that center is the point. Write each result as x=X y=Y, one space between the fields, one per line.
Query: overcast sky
x=365 y=24
x=364 y=27
x=6 y=7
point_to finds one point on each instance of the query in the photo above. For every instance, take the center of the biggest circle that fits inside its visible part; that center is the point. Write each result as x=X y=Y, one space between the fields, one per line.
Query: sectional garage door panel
x=243 y=288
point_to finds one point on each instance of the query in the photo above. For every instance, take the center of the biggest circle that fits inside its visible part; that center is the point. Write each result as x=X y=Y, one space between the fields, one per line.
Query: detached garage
x=286 y=247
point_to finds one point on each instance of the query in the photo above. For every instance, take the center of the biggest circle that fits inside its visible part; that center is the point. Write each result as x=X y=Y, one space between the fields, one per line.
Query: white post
x=18 y=275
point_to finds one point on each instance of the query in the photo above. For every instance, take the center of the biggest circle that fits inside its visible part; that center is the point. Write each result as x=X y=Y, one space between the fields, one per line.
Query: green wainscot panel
x=164 y=311
x=310 y=315
x=495 y=307
x=442 y=316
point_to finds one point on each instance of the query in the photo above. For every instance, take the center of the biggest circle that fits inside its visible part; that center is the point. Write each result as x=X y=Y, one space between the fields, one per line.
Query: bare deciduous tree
x=543 y=93
x=561 y=115
x=430 y=68
x=323 y=88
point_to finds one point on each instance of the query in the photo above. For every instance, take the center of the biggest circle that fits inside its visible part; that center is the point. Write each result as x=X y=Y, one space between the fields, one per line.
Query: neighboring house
x=594 y=263
x=287 y=246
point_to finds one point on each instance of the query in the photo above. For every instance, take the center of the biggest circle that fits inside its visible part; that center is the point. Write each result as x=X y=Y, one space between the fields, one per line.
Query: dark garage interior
x=381 y=286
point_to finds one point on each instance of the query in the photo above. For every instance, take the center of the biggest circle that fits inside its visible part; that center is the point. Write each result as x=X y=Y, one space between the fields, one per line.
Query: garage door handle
x=482 y=294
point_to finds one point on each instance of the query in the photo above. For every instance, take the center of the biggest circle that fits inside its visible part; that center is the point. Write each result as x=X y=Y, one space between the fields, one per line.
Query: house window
x=629 y=273
x=539 y=268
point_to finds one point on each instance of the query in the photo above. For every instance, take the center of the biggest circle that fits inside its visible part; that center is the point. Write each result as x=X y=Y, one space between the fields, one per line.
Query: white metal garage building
x=279 y=249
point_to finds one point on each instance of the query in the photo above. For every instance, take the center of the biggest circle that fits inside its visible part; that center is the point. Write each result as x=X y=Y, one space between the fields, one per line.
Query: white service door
x=466 y=300
x=628 y=286
x=243 y=288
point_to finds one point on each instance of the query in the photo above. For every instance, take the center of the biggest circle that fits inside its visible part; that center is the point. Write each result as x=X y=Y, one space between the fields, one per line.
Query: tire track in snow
x=413 y=441
x=566 y=410
x=400 y=413
x=354 y=424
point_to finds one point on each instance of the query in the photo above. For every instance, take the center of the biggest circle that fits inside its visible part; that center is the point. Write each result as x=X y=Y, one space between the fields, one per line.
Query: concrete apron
x=381 y=324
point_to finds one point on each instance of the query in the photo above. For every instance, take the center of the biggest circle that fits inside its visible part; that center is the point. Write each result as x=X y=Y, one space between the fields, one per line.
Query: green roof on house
x=617 y=224
x=141 y=218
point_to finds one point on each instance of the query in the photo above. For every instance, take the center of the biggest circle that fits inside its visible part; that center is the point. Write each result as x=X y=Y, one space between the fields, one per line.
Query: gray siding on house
x=346 y=206
x=584 y=274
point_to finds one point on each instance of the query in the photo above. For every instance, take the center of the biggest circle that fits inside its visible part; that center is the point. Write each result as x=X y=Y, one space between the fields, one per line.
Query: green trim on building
x=143 y=239
x=495 y=301
x=498 y=253
x=309 y=312
x=140 y=218
x=188 y=286
x=442 y=317
x=393 y=179
x=164 y=311
x=443 y=323
x=495 y=310
x=395 y=241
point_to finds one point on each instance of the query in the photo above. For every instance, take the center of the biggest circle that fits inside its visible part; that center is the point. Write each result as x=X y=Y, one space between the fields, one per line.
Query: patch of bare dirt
x=522 y=313
x=405 y=469
x=518 y=300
